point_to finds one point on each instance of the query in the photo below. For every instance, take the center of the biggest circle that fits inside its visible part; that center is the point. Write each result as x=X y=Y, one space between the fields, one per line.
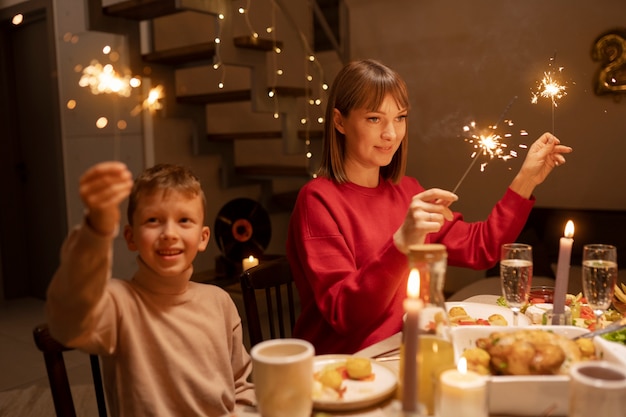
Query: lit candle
x=412 y=307
x=249 y=262
x=462 y=393
x=562 y=271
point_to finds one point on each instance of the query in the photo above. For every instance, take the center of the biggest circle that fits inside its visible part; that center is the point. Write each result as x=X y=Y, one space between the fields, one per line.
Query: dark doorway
x=33 y=219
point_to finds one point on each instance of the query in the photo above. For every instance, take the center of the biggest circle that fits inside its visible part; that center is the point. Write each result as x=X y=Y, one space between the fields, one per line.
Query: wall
x=465 y=61
x=462 y=61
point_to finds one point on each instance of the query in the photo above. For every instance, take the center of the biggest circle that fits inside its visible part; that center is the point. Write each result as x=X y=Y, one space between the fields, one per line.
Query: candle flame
x=251 y=258
x=413 y=286
x=462 y=365
x=569 y=229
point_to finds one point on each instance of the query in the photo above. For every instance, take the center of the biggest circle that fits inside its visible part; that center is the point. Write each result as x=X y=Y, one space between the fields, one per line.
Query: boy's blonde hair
x=361 y=85
x=164 y=177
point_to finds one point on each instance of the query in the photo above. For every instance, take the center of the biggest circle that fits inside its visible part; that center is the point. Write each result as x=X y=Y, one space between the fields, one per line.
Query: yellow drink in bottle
x=435 y=356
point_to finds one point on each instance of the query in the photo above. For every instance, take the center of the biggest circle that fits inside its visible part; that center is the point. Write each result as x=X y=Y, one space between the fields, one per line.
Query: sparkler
x=488 y=142
x=549 y=87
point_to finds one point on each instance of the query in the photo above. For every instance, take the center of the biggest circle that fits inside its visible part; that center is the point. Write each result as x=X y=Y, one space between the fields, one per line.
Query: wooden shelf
x=236 y=95
x=258 y=44
x=142 y=9
x=272 y=171
x=151 y=9
x=183 y=55
x=277 y=134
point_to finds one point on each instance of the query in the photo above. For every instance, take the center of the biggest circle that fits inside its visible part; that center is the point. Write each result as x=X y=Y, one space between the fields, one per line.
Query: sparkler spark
x=489 y=142
x=549 y=87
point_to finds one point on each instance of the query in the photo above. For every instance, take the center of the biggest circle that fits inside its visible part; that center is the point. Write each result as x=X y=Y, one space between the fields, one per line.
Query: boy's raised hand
x=102 y=188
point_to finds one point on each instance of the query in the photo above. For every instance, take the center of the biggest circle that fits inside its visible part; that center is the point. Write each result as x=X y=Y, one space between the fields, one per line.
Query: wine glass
x=599 y=277
x=516 y=272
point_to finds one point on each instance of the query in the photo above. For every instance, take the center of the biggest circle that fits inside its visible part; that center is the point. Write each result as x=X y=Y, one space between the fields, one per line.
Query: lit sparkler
x=489 y=142
x=549 y=87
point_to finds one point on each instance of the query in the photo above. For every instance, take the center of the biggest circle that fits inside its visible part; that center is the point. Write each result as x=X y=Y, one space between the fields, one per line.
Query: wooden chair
x=275 y=280
x=57 y=374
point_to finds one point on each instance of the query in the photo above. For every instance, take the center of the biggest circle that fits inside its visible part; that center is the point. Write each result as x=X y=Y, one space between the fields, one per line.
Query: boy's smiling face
x=168 y=231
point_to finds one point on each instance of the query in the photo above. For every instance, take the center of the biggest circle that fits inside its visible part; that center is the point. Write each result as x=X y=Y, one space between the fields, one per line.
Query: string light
x=244 y=12
x=17 y=19
x=217 y=57
x=313 y=70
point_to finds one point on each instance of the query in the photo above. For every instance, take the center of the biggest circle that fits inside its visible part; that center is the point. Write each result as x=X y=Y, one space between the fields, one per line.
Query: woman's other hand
x=426 y=214
x=544 y=154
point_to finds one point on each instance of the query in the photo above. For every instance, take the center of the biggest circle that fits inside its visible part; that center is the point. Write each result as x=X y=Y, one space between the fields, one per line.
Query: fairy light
x=272 y=31
x=18 y=19
x=246 y=14
x=314 y=96
x=217 y=57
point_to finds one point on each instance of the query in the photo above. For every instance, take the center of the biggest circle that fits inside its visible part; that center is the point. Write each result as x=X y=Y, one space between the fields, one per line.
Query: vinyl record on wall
x=242 y=228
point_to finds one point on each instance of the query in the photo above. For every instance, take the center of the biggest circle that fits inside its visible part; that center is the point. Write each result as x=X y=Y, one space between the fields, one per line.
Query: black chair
x=57 y=374
x=274 y=279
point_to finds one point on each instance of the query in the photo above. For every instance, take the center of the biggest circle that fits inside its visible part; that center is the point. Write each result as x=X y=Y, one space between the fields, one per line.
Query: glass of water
x=516 y=273
x=599 y=277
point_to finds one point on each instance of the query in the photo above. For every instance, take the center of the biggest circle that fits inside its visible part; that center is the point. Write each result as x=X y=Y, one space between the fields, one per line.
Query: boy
x=169 y=347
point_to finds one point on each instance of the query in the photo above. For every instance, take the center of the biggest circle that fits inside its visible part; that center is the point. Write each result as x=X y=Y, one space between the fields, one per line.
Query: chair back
x=273 y=279
x=57 y=374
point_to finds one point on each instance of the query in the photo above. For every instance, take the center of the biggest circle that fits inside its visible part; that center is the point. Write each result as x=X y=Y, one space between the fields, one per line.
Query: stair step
x=146 y=9
x=236 y=95
x=272 y=171
x=182 y=55
x=259 y=44
x=277 y=134
x=204 y=51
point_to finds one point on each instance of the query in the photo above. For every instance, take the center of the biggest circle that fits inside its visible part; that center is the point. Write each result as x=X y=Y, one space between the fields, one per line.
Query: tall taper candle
x=562 y=271
x=410 y=334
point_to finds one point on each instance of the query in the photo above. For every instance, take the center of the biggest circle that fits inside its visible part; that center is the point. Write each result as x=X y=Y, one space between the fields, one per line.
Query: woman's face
x=372 y=137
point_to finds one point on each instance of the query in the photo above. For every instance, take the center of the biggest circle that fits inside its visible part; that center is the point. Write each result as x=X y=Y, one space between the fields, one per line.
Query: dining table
x=386 y=352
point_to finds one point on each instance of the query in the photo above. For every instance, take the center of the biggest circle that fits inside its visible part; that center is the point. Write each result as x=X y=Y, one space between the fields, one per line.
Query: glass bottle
x=435 y=353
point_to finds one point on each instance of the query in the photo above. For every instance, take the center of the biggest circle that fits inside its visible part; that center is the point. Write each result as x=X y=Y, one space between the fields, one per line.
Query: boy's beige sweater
x=169 y=346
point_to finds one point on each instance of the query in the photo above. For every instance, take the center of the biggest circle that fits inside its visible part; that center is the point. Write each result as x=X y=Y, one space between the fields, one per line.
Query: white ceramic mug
x=283 y=377
x=597 y=388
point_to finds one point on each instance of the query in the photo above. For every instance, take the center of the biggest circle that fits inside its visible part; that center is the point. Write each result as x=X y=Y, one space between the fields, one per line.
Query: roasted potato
x=497 y=320
x=358 y=368
x=331 y=378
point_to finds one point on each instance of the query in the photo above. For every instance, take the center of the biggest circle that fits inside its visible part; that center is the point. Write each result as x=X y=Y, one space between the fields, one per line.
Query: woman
x=351 y=227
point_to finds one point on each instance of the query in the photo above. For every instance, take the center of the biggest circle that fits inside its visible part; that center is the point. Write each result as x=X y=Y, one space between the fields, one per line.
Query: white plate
x=358 y=394
x=540 y=392
x=483 y=311
x=611 y=351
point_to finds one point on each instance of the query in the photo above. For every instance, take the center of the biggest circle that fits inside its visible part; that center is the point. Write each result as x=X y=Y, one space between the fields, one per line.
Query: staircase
x=237 y=70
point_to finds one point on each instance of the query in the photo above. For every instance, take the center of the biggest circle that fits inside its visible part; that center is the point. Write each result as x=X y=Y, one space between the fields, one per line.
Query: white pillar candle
x=562 y=270
x=410 y=335
x=249 y=262
x=462 y=393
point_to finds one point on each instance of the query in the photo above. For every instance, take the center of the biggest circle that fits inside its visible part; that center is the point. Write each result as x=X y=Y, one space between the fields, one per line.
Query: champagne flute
x=516 y=272
x=599 y=277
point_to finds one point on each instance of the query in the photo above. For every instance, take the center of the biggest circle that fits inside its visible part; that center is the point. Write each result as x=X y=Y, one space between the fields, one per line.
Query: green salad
x=618 y=336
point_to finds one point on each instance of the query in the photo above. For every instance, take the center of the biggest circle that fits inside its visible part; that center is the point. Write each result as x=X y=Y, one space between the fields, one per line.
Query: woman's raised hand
x=544 y=154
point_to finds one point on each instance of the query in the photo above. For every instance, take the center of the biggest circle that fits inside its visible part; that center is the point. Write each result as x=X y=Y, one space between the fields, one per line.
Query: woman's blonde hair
x=361 y=85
